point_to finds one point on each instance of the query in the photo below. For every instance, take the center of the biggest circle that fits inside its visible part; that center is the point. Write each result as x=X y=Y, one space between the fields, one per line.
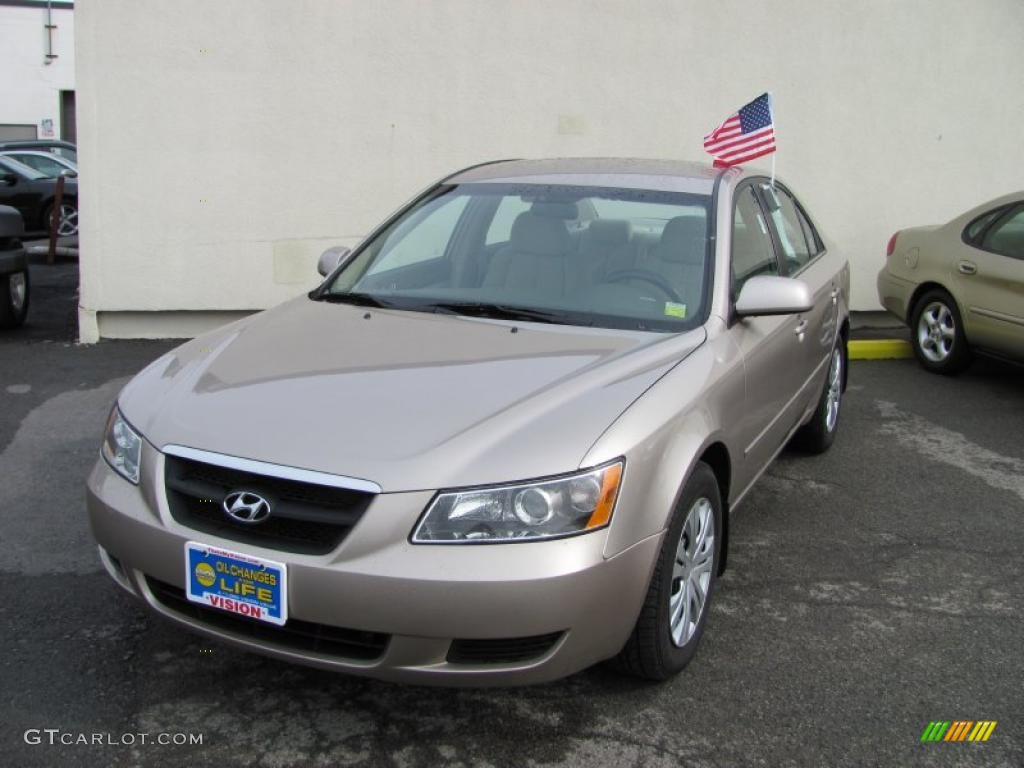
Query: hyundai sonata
x=500 y=442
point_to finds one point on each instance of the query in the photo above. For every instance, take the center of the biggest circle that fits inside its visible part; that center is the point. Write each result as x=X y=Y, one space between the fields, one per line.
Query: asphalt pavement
x=870 y=591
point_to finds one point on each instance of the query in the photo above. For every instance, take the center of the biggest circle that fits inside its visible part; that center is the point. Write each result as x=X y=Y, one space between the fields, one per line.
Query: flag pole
x=771 y=112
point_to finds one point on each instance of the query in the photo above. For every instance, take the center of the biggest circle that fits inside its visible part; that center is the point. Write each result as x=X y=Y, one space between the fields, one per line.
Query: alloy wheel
x=936 y=332
x=67 y=225
x=17 y=287
x=835 y=390
x=691 y=571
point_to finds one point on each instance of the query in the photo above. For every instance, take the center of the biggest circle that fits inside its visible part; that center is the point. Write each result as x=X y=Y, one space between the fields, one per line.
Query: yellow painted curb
x=879 y=349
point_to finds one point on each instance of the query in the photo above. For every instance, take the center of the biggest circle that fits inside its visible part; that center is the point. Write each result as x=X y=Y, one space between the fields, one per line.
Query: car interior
x=558 y=253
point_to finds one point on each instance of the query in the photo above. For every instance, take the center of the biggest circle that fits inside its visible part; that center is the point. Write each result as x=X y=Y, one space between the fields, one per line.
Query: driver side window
x=424 y=237
x=752 y=251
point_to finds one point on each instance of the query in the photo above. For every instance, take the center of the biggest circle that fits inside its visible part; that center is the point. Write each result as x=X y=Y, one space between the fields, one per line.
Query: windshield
x=45 y=164
x=10 y=164
x=576 y=255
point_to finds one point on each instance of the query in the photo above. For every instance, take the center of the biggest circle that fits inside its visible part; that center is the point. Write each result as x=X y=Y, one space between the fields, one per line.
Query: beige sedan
x=960 y=286
x=501 y=442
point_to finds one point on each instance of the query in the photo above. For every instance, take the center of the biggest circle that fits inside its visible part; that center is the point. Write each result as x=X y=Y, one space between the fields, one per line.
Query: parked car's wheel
x=14 y=289
x=68 y=225
x=937 y=334
x=817 y=435
x=675 y=610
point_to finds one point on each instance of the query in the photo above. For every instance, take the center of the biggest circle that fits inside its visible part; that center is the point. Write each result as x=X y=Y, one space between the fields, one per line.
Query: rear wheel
x=675 y=610
x=937 y=334
x=818 y=434
x=13 y=299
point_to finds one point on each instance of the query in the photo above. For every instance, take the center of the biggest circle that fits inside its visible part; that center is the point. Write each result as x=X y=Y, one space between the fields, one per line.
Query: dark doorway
x=68 y=128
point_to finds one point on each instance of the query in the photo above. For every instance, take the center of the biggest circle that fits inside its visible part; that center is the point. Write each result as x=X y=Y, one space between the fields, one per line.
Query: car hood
x=407 y=400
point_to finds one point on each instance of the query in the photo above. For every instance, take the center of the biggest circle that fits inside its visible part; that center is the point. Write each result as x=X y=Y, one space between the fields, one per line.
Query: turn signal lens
x=606 y=502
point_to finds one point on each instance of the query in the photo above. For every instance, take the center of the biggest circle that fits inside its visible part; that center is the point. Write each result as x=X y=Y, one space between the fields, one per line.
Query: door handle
x=834 y=295
x=967 y=268
x=801 y=329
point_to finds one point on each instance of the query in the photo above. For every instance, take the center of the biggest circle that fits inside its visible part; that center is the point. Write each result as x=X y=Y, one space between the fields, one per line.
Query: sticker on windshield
x=674 y=309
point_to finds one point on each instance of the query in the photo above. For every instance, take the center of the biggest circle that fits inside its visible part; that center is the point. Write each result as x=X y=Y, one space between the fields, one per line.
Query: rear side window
x=752 y=251
x=1006 y=237
x=975 y=230
x=791 y=231
x=501 y=225
x=435 y=224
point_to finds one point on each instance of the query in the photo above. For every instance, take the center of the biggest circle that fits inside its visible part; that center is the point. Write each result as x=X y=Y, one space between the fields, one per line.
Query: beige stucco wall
x=224 y=143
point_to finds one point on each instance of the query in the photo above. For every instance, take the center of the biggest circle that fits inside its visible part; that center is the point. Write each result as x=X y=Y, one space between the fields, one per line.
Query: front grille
x=294 y=634
x=305 y=518
x=507 y=650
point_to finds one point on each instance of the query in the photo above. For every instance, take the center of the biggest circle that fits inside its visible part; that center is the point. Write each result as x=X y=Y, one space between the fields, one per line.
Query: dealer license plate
x=236 y=583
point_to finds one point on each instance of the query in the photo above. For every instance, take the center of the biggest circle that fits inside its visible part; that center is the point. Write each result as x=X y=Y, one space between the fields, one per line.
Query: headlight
x=526 y=512
x=122 y=447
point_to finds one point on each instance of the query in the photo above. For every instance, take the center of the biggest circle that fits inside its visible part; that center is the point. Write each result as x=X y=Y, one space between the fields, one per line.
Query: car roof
x=627 y=172
x=38 y=152
x=36 y=144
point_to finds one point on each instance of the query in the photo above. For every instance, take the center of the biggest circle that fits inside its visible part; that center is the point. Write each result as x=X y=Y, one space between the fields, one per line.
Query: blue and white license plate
x=236 y=583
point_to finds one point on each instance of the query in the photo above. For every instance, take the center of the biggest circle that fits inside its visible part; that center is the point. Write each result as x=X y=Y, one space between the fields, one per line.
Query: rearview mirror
x=331 y=259
x=770 y=295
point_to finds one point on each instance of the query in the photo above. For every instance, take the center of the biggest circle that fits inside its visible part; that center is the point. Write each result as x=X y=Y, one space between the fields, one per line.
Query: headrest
x=539 y=234
x=555 y=210
x=612 y=232
x=683 y=241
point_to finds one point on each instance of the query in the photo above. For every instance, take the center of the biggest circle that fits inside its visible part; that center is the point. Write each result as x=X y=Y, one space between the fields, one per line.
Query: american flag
x=745 y=135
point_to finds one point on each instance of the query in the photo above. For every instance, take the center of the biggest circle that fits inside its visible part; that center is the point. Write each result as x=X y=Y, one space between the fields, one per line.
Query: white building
x=225 y=143
x=37 y=70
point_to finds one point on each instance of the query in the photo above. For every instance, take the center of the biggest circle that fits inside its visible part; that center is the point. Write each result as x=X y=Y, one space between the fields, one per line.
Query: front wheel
x=674 y=613
x=13 y=299
x=67 y=224
x=817 y=435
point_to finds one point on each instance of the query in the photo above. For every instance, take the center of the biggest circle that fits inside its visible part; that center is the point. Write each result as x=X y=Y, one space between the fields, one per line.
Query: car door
x=989 y=281
x=21 y=193
x=773 y=347
x=804 y=257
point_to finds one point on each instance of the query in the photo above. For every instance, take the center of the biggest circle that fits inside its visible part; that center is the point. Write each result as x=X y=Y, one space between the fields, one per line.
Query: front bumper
x=422 y=597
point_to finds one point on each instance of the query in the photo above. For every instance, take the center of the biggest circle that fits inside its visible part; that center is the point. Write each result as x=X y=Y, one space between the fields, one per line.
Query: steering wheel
x=645 y=275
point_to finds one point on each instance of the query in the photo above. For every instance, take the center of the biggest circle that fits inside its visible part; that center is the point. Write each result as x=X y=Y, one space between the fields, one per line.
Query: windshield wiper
x=499 y=312
x=358 y=299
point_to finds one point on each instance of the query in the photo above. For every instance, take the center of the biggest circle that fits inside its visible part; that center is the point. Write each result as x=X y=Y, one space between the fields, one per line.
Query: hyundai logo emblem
x=246 y=507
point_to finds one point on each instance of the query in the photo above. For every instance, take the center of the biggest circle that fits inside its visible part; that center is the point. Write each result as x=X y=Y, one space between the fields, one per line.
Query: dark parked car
x=32 y=193
x=13 y=269
x=64 y=149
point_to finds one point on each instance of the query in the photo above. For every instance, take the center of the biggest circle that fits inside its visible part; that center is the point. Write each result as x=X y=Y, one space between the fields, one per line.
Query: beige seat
x=680 y=256
x=605 y=247
x=533 y=264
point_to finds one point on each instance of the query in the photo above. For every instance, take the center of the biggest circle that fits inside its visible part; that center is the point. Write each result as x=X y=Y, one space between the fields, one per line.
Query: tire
x=937 y=334
x=14 y=295
x=657 y=650
x=818 y=434
x=69 y=217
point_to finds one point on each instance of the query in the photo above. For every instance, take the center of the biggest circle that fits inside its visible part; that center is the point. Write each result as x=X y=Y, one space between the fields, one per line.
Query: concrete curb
x=879 y=349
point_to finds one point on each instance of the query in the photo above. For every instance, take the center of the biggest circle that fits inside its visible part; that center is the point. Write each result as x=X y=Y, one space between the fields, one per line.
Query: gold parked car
x=960 y=286
x=500 y=442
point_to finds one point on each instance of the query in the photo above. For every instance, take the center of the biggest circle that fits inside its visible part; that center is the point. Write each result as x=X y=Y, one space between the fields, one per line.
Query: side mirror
x=331 y=259
x=8 y=179
x=69 y=173
x=770 y=295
